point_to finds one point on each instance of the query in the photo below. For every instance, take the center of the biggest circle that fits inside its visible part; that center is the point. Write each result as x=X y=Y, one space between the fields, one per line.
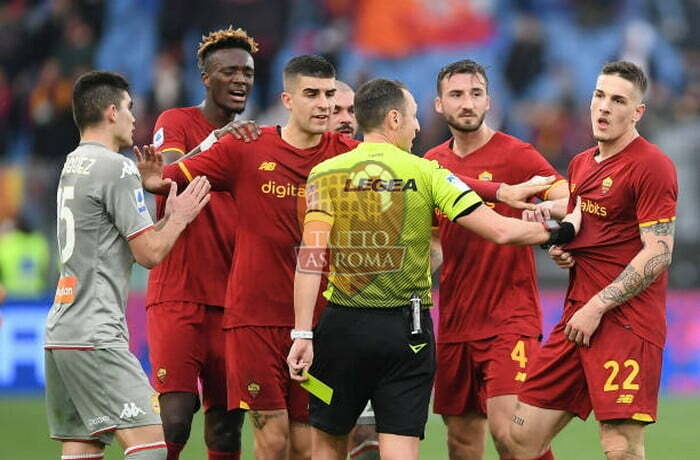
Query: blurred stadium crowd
x=541 y=55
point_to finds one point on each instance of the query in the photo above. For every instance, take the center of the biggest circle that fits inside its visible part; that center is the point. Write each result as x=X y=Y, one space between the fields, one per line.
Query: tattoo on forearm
x=630 y=282
x=518 y=420
x=661 y=229
x=658 y=263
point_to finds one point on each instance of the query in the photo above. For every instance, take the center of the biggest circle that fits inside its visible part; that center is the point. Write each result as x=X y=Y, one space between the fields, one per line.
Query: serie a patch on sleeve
x=140 y=201
x=457 y=182
x=159 y=137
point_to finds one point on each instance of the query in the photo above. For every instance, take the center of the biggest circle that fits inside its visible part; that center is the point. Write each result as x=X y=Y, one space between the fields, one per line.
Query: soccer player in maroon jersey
x=490 y=320
x=605 y=353
x=186 y=292
x=267 y=180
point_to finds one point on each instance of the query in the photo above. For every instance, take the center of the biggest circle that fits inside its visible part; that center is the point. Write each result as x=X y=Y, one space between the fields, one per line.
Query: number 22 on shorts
x=628 y=383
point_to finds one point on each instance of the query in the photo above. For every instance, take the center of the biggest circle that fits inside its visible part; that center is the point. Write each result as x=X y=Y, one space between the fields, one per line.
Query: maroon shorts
x=186 y=348
x=617 y=376
x=468 y=373
x=258 y=376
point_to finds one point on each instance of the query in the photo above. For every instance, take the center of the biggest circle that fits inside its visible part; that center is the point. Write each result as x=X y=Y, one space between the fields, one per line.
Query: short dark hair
x=629 y=71
x=224 y=39
x=93 y=93
x=309 y=65
x=375 y=98
x=463 y=66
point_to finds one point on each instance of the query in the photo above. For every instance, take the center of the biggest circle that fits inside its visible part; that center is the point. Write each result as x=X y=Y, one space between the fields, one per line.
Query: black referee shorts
x=369 y=354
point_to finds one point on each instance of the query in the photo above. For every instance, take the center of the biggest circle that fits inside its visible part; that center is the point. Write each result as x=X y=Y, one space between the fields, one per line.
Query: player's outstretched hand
x=516 y=196
x=299 y=359
x=184 y=207
x=575 y=216
x=245 y=130
x=542 y=212
x=562 y=258
x=583 y=323
x=150 y=165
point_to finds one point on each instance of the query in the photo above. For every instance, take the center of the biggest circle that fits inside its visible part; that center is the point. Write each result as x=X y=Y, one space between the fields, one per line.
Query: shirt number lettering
x=628 y=383
x=66 y=215
x=518 y=354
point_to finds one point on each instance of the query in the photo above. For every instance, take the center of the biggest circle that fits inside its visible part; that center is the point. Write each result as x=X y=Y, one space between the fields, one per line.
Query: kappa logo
x=267 y=166
x=606 y=184
x=131 y=410
x=129 y=169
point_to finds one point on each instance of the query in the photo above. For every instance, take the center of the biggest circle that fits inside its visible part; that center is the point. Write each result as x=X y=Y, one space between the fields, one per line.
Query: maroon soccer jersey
x=267 y=179
x=488 y=289
x=196 y=269
x=637 y=187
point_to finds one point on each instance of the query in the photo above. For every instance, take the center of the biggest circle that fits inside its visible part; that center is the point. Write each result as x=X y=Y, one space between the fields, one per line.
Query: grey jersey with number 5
x=100 y=207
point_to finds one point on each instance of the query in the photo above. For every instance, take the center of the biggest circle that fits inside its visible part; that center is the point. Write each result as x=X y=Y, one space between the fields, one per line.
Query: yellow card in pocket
x=317 y=388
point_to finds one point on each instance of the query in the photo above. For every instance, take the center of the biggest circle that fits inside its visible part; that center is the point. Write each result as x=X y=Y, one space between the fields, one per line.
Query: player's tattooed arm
x=651 y=261
x=643 y=269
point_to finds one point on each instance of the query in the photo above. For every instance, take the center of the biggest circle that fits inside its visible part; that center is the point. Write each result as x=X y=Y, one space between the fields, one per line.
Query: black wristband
x=562 y=235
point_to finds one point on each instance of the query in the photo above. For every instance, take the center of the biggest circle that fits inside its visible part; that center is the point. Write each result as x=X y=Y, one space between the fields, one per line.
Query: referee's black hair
x=374 y=99
x=93 y=92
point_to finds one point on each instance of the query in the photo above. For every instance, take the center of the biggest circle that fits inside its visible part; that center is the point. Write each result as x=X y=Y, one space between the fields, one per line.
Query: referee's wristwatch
x=301 y=334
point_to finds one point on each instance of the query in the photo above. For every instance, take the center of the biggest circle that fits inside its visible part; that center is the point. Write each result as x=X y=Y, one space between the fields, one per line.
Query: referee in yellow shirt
x=372 y=208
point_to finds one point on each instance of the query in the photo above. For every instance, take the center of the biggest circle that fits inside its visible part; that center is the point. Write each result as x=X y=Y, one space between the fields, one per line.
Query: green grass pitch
x=675 y=437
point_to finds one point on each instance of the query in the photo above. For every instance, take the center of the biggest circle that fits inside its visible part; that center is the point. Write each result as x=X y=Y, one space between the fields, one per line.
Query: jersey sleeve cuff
x=545 y=195
x=649 y=223
x=315 y=215
x=171 y=149
x=139 y=232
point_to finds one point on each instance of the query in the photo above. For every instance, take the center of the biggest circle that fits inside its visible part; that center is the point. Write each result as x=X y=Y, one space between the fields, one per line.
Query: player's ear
x=438 y=104
x=111 y=113
x=639 y=112
x=204 y=76
x=286 y=99
x=394 y=119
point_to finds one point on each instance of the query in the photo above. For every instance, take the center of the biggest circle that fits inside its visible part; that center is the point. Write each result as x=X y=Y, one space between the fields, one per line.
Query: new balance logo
x=267 y=166
x=625 y=399
x=131 y=410
x=417 y=348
